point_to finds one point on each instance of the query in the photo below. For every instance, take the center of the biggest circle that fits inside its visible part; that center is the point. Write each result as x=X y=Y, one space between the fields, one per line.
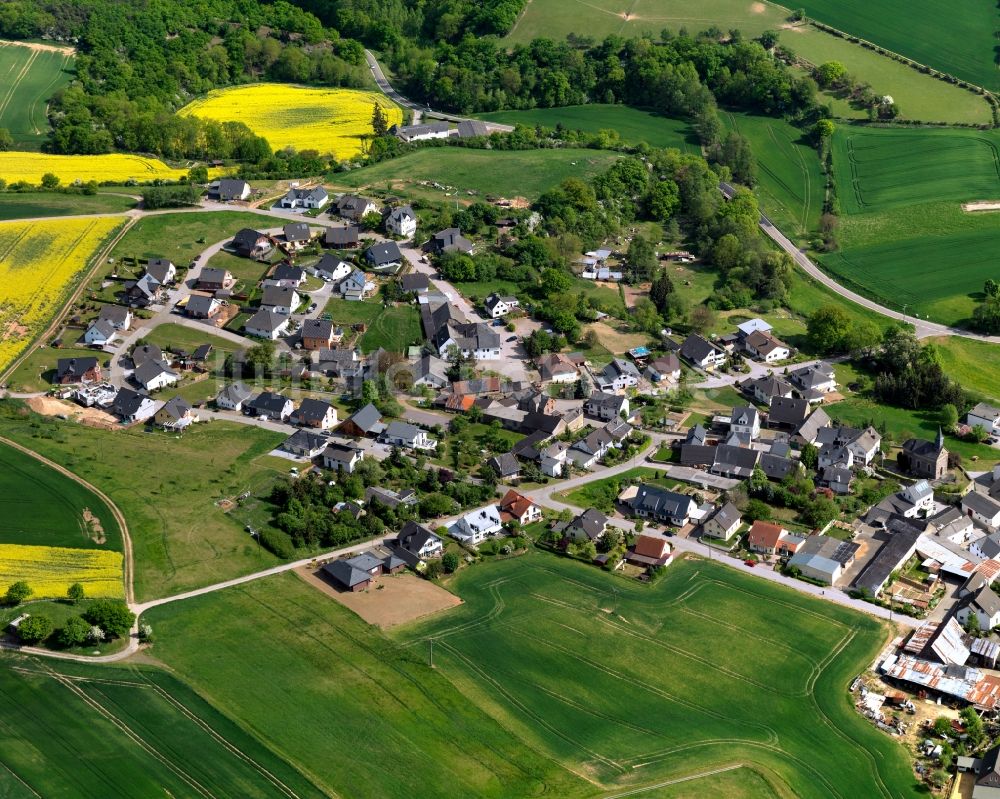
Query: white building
x=477 y=526
x=401 y=221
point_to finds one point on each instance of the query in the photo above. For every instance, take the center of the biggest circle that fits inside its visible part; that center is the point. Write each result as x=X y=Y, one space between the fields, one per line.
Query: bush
x=75 y=632
x=433 y=569
x=112 y=616
x=17 y=593
x=449 y=562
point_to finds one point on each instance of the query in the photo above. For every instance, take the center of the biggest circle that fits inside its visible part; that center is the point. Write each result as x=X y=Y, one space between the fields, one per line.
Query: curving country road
x=923 y=327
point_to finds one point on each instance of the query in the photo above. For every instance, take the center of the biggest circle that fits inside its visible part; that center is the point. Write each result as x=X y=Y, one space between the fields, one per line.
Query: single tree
x=6 y=140
x=112 y=616
x=380 y=124
x=75 y=593
x=948 y=417
x=809 y=455
x=18 y=592
x=34 y=629
x=49 y=181
x=74 y=632
x=942 y=725
x=449 y=562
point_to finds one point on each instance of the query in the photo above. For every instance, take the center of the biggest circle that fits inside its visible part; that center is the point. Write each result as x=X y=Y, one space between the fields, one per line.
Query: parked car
x=512 y=338
x=750 y=563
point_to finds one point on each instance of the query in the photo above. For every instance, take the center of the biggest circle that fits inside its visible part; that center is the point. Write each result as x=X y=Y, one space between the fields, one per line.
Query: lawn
x=40 y=506
x=320 y=686
x=975 y=365
x=958 y=39
x=920 y=97
x=790 y=184
x=904 y=238
x=634 y=685
x=36 y=204
x=176 y=236
x=36 y=371
x=525 y=173
x=31 y=77
x=246 y=270
x=167 y=486
x=393 y=327
x=601 y=493
x=176 y=337
x=634 y=125
x=901 y=424
x=75 y=730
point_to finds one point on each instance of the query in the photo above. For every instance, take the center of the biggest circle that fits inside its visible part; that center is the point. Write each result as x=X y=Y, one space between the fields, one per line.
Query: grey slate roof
x=592 y=522
x=367 y=418
x=661 y=502
x=296 y=231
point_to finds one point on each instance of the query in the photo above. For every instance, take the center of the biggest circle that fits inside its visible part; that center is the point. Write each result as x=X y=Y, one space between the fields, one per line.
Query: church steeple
x=939 y=441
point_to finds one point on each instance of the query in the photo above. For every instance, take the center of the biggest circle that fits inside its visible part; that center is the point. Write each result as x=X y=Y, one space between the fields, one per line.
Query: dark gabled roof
x=285 y=271
x=199 y=303
x=230 y=188
x=447 y=240
x=727 y=515
x=115 y=314
x=277 y=295
x=317 y=328
x=75 y=367
x=201 y=352
x=268 y=401
x=413 y=536
x=789 y=411
x=345 y=573
x=367 y=418
x=341 y=452
x=149 y=370
x=696 y=435
x=904 y=536
x=146 y=352
x=777 y=467
x=212 y=275
x=312 y=410
x=921 y=447
x=306 y=440
x=127 y=402
x=981 y=503
x=505 y=465
x=661 y=502
x=472 y=127
x=414 y=281
x=297 y=231
x=989 y=774
x=348 y=234
x=695 y=348
x=697 y=455
x=592 y=522
x=236 y=393
x=265 y=319
x=247 y=238
x=386 y=252
x=177 y=407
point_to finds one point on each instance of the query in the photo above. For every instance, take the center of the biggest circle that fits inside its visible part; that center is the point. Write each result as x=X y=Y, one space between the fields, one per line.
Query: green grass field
x=633 y=125
x=393 y=327
x=175 y=236
x=974 y=364
x=903 y=236
x=40 y=506
x=525 y=173
x=37 y=204
x=80 y=731
x=790 y=184
x=37 y=370
x=167 y=487
x=919 y=96
x=958 y=39
x=632 y=685
x=317 y=684
x=29 y=77
x=179 y=337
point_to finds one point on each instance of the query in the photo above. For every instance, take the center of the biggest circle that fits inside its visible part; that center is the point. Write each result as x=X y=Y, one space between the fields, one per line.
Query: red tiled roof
x=765 y=534
x=515 y=504
x=652 y=546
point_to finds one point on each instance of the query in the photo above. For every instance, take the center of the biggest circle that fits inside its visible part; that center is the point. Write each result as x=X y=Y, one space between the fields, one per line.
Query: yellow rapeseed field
x=50 y=571
x=328 y=120
x=113 y=167
x=38 y=261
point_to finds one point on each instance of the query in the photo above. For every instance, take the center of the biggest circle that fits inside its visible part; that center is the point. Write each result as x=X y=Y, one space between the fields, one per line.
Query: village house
x=555 y=367
x=772 y=539
x=985 y=416
x=808 y=432
x=280 y=299
x=606 y=406
x=285 y=274
x=787 y=413
x=650 y=550
x=211 y=279
x=702 y=353
x=724 y=523
x=590 y=449
x=155 y=375
x=390 y=498
x=118 y=316
x=590 y=525
x=498 y=306
x=315 y=413
x=365 y=422
x=331 y=268
x=448 y=240
x=734 y=461
x=910 y=502
x=864 y=445
x=252 y=243
x=659 y=504
x=814 y=382
x=838 y=479
x=269 y=405
x=99 y=332
x=766 y=347
x=304 y=444
x=143 y=292
x=618 y=375
x=417 y=542
x=422 y=132
x=478 y=525
x=982 y=508
x=383 y=256
x=664 y=368
x=305 y=198
x=745 y=422
x=317 y=334
x=923 y=458
x=360 y=572
x=505 y=466
x=296 y=235
x=132 y=406
x=175 y=414
x=415 y=283
x=200 y=306
x=430 y=371
x=345 y=237
x=401 y=221
x=985 y=604
x=746 y=329
x=897 y=549
x=267 y=323
x=409 y=436
x=517 y=507
x=356 y=286
x=355 y=208
x=162 y=270
x=232 y=397
x=228 y=190
x=342 y=457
